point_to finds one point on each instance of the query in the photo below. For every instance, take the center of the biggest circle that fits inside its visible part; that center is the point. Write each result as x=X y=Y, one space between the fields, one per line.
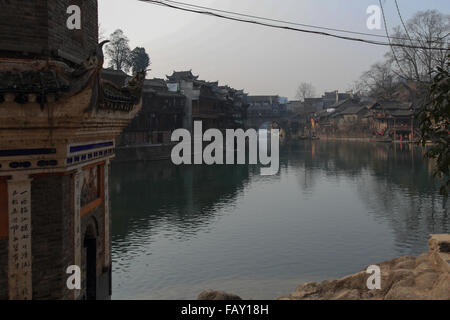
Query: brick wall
x=79 y=43
x=52 y=235
x=23 y=25
x=3 y=269
x=39 y=28
x=52 y=241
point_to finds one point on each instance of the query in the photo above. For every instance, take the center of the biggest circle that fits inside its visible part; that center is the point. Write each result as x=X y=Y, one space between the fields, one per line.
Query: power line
x=390 y=43
x=209 y=13
x=387 y=34
x=438 y=39
x=407 y=34
x=278 y=20
x=401 y=19
x=293 y=23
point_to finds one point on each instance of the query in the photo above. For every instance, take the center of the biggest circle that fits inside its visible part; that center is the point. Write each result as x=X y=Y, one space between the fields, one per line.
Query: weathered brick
x=52 y=244
x=39 y=28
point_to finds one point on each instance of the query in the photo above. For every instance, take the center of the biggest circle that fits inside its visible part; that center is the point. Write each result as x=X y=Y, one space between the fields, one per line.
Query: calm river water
x=333 y=209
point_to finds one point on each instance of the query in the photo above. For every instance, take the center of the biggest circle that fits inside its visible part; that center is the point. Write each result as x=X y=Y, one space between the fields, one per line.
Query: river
x=334 y=208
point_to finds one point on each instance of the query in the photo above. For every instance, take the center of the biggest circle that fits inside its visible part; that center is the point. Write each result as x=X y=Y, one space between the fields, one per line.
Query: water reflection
x=393 y=180
x=145 y=195
x=333 y=208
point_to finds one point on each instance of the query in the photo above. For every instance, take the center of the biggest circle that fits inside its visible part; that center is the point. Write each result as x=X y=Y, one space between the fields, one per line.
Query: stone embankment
x=405 y=278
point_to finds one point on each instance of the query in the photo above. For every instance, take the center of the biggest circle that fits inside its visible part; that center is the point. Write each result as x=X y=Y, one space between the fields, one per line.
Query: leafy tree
x=435 y=123
x=118 y=51
x=139 y=59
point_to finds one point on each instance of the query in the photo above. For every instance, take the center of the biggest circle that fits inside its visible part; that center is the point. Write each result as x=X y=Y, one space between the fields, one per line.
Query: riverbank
x=426 y=277
x=365 y=139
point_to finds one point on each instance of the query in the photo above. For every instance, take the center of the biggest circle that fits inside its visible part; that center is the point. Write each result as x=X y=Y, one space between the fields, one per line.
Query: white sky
x=258 y=59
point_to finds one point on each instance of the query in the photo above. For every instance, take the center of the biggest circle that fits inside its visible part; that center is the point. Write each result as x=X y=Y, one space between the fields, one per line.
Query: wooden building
x=216 y=106
x=162 y=112
x=264 y=106
x=394 y=119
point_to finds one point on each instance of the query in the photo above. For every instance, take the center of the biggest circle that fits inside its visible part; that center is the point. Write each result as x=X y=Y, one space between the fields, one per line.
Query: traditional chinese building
x=58 y=124
x=236 y=106
x=162 y=112
x=394 y=119
x=334 y=97
x=263 y=106
x=186 y=83
x=215 y=106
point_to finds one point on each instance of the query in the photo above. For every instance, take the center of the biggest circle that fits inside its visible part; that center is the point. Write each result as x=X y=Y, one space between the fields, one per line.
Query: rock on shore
x=404 y=278
x=217 y=295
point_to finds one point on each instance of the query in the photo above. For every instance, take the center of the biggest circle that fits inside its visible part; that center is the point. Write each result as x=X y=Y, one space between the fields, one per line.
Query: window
x=91 y=195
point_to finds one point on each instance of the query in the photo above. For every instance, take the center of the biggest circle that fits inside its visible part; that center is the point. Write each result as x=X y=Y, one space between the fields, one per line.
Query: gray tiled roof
x=259 y=99
x=352 y=110
x=182 y=75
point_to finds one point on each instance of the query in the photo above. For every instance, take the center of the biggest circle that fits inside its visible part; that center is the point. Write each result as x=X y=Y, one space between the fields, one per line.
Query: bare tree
x=380 y=81
x=429 y=30
x=305 y=90
x=359 y=88
x=118 y=51
x=101 y=33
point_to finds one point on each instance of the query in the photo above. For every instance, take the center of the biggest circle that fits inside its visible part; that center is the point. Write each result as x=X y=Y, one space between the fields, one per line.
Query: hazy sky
x=258 y=59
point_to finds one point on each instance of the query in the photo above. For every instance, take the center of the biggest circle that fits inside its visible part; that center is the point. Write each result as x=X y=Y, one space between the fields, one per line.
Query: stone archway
x=90 y=267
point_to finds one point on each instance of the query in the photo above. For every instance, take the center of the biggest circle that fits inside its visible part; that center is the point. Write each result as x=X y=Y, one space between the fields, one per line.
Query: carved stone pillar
x=19 y=245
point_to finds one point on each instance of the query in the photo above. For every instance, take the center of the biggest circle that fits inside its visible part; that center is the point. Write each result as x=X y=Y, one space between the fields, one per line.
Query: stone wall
x=52 y=239
x=38 y=28
x=23 y=26
x=51 y=207
x=79 y=43
x=52 y=235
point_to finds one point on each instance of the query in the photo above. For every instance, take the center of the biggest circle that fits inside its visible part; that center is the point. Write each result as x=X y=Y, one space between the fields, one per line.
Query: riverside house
x=390 y=120
x=395 y=120
x=216 y=106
